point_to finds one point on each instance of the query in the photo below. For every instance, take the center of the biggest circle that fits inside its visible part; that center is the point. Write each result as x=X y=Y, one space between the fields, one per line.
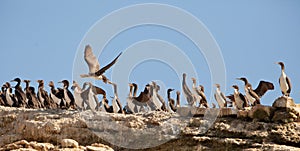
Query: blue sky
x=39 y=40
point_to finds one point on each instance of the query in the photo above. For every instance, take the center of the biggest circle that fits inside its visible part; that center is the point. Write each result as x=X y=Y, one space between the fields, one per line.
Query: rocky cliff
x=38 y=129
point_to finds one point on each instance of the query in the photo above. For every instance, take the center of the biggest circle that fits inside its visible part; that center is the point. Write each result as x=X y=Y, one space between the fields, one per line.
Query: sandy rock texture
x=29 y=129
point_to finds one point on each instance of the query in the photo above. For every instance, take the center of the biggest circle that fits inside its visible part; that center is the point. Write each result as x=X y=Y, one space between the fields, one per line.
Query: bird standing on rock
x=284 y=81
x=19 y=93
x=68 y=96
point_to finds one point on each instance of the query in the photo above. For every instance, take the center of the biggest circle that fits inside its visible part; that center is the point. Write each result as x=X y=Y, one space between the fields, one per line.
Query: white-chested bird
x=94 y=66
x=220 y=97
x=239 y=99
x=284 y=81
x=190 y=98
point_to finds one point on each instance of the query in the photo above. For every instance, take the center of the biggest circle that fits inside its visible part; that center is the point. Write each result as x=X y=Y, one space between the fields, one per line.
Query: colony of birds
x=86 y=98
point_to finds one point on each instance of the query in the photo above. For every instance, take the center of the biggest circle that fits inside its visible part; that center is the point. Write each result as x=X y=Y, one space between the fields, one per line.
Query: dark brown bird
x=68 y=96
x=57 y=95
x=94 y=66
x=19 y=93
x=33 y=101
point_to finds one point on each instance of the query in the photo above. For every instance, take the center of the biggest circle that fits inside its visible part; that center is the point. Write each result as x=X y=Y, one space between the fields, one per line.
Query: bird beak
x=238 y=78
x=12 y=81
x=60 y=82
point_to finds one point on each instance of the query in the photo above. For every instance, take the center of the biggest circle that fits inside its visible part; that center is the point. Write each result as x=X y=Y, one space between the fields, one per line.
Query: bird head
x=281 y=64
x=16 y=80
x=243 y=79
x=235 y=87
x=40 y=81
x=170 y=90
x=65 y=83
x=184 y=75
x=218 y=85
x=51 y=84
x=178 y=92
x=26 y=81
x=194 y=80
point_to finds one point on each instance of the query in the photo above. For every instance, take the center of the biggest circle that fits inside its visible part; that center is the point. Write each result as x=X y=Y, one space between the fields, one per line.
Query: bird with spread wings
x=94 y=66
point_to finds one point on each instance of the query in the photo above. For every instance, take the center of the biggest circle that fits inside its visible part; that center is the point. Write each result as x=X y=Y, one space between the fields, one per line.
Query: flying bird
x=94 y=66
x=284 y=81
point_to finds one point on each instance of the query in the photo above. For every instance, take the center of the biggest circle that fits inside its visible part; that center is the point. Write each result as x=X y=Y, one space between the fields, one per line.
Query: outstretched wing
x=263 y=87
x=102 y=70
x=91 y=59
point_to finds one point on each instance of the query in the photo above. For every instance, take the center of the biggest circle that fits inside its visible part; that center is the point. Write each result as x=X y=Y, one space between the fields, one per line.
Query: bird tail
x=84 y=75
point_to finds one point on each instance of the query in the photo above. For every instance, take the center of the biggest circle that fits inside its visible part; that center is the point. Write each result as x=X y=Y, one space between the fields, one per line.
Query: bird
x=138 y=102
x=19 y=93
x=171 y=101
x=116 y=103
x=157 y=99
x=77 y=95
x=220 y=97
x=2 y=96
x=177 y=99
x=196 y=91
x=68 y=96
x=239 y=99
x=164 y=108
x=203 y=101
x=10 y=98
x=43 y=96
x=284 y=81
x=57 y=95
x=187 y=92
x=94 y=66
x=94 y=91
x=33 y=101
x=253 y=96
x=130 y=106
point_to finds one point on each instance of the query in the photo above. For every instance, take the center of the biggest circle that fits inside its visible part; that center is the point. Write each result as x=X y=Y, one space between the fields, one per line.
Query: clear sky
x=39 y=40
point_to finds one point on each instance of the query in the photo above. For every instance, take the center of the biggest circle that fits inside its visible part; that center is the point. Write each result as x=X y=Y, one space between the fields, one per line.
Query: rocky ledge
x=37 y=129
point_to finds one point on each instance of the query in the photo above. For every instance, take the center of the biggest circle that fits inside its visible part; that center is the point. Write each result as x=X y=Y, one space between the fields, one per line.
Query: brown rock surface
x=45 y=129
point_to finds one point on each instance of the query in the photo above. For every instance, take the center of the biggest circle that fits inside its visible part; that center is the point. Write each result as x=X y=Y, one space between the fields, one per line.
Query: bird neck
x=169 y=94
x=178 y=100
x=130 y=91
x=115 y=90
x=135 y=90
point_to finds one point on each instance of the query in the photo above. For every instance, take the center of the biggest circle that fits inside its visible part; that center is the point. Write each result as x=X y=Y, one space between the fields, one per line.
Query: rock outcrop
x=64 y=129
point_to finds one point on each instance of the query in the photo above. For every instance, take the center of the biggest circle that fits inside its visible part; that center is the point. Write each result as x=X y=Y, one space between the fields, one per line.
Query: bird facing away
x=284 y=81
x=187 y=92
x=19 y=93
x=253 y=96
x=239 y=99
x=44 y=98
x=57 y=95
x=94 y=66
x=31 y=96
x=220 y=97
x=77 y=95
x=196 y=91
x=177 y=99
